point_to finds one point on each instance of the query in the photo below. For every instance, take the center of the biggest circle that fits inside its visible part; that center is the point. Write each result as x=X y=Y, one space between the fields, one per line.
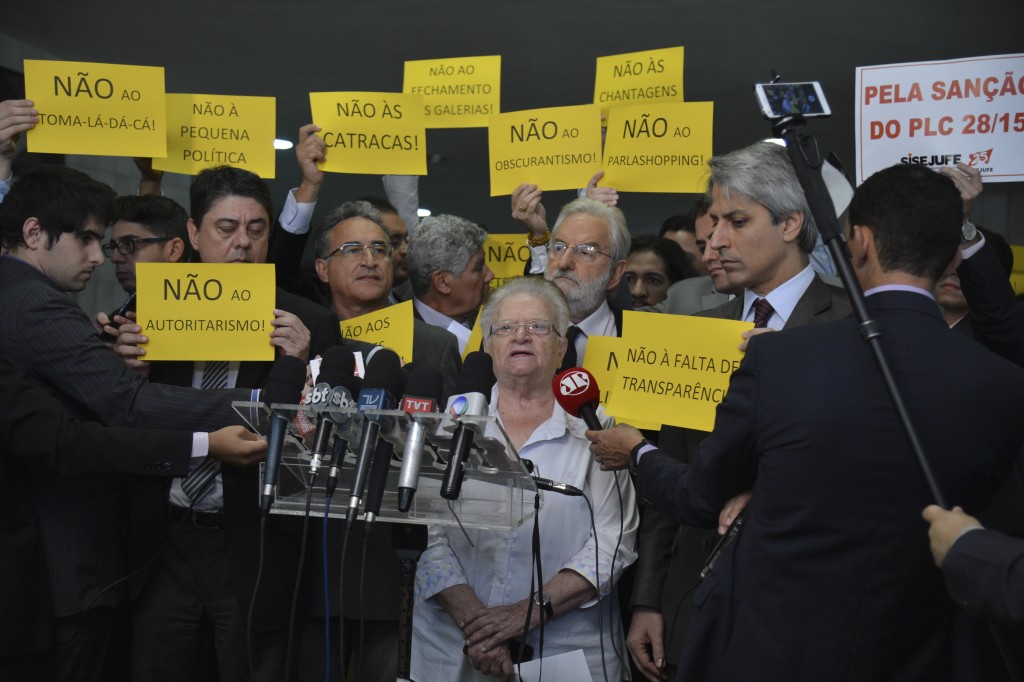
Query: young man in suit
x=830 y=577
x=52 y=224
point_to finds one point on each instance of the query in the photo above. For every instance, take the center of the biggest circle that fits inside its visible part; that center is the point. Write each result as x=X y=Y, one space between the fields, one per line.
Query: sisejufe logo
x=574 y=383
x=931 y=159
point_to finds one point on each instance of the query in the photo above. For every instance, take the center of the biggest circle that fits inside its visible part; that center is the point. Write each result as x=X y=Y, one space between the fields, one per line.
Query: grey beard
x=584 y=298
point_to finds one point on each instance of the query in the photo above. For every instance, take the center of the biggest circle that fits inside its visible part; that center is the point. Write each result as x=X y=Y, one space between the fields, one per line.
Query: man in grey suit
x=762 y=235
x=52 y=224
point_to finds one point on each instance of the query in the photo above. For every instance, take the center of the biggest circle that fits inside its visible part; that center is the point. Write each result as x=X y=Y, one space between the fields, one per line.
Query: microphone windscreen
x=425 y=382
x=337 y=368
x=384 y=370
x=574 y=388
x=286 y=381
x=477 y=375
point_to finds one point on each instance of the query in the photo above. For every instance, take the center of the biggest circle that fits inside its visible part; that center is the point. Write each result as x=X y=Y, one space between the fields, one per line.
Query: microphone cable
x=597 y=579
x=289 y=649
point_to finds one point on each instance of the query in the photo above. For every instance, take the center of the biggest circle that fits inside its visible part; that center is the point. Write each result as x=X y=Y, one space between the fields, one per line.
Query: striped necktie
x=200 y=480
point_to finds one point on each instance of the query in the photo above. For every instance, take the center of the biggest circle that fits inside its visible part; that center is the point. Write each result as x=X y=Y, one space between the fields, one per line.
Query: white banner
x=940 y=113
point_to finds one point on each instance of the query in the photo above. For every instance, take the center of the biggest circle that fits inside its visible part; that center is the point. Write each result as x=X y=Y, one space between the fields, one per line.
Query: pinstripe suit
x=82 y=521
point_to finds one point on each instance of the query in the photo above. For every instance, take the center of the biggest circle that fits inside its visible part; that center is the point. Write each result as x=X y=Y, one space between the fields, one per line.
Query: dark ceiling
x=287 y=49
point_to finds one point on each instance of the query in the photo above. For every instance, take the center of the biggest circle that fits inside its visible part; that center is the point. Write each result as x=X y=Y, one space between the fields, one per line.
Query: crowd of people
x=788 y=543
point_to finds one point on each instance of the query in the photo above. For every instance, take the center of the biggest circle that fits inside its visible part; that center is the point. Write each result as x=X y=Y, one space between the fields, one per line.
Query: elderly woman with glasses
x=473 y=588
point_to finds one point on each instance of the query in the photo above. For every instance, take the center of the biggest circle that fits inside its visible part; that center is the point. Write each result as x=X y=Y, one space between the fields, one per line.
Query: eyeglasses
x=586 y=253
x=379 y=250
x=128 y=245
x=533 y=328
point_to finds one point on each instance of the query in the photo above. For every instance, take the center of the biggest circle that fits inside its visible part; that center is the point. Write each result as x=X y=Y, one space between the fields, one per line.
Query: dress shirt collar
x=900 y=287
x=783 y=298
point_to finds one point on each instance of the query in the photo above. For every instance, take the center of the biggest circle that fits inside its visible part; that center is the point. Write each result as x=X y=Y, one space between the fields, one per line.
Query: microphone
x=384 y=379
x=472 y=388
x=577 y=393
x=548 y=484
x=424 y=383
x=284 y=386
x=378 y=480
x=336 y=370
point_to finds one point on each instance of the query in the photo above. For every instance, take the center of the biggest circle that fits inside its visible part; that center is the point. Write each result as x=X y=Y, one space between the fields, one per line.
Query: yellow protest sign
x=556 y=148
x=676 y=368
x=390 y=327
x=206 y=311
x=658 y=147
x=374 y=133
x=91 y=108
x=506 y=255
x=457 y=93
x=602 y=360
x=476 y=337
x=1017 y=275
x=213 y=130
x=648 y=76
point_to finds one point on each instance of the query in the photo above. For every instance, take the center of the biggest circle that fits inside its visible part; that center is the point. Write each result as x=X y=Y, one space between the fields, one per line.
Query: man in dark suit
x=755 y=246
x=206 y=575
x=830 y=577
x=36 y=431
x=52 y=223
x=354 y=259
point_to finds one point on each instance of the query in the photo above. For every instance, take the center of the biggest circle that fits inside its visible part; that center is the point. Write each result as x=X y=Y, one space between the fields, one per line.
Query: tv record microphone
x=284 y=386
x=384 y=379
x=421 y=395
x=337 y=371
x=577 y=393
x=473 y=390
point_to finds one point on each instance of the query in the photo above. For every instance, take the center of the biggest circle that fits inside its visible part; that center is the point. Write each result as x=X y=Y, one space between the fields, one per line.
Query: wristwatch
x=542 y=600
x=631 y=463
x=969 y=231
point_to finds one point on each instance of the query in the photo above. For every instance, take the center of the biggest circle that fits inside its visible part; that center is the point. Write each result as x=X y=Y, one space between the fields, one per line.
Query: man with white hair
x=448 y=273
x=586 y=256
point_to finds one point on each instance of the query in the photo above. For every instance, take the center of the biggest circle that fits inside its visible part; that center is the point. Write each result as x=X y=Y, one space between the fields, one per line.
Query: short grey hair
x=441 y=243
x=536 y=287
x=763 y=173
x=350 y=209
x=610 y=214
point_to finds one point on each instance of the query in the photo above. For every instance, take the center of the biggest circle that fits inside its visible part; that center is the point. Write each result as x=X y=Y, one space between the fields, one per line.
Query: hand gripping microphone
x=284 y=386
x=384 y=379
x=577 y=393
x=421 y=395
x=337 y=369
x=472 y=393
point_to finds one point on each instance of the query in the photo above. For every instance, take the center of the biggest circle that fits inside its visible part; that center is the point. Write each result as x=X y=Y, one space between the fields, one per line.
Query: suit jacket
x=984 y=572
x=673 y=554
x=997 y=318
x=831 y=577
x=690 y=296
x=37 y=433
x=82 y=521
